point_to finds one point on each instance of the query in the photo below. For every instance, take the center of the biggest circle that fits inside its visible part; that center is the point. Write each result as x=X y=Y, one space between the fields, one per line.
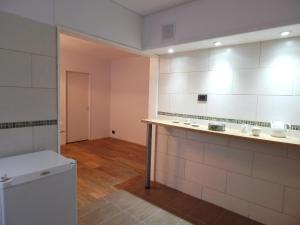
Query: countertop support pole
x=148 y=162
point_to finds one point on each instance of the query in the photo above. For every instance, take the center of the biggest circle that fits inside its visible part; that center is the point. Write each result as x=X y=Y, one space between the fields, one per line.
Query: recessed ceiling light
x=170 y=50
x=217 y=43
x=285 y=33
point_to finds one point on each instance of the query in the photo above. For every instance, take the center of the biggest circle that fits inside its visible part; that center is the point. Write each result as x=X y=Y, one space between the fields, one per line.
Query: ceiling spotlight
x=285 y=33
x=170 y=50
x=217 y=43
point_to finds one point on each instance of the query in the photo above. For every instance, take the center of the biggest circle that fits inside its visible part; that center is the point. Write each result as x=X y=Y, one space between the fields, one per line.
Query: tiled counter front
x=255 y=179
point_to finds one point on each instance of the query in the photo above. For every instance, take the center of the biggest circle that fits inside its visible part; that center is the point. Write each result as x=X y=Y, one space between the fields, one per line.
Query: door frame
x=89 y=102
x=153 y=75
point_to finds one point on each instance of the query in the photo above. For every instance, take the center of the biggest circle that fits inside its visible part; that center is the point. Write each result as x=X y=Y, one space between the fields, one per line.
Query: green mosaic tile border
x=225 y=120
x=11 y=125
x=295 y=127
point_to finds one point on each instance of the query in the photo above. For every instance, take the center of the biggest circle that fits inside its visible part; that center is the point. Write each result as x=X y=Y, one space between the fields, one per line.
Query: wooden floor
x=105 y=166
x=102 y=164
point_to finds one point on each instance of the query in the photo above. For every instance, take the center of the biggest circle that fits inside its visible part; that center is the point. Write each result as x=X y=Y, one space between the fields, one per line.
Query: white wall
x=119 y=95
x=99 y=72
x=103 y=19
x=205 y=19
x=129 y=98
x=256 y=81
x=28 y=87
x=39 y=10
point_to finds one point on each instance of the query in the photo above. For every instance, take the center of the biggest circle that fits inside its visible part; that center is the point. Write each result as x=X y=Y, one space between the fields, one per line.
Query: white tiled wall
x=27 y=104
x=28 y=87
x=13 y=75
x=297 y=81
x=257 y=81
x=255 y=179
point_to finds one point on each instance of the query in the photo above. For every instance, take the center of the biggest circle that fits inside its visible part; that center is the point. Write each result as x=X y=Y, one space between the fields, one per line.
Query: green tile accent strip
x=11 y=125
x=225 y=120
x=295 y=127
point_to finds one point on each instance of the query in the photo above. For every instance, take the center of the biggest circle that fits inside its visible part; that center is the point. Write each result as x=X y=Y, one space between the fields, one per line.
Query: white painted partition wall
x=206 y=19
x=99 y=71
x=103 y=19
x=129 y=85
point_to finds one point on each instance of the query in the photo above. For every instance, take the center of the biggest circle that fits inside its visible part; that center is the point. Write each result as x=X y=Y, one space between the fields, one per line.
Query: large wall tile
x=280 y=170
x=206 y=175
x=15 y=69
x=211 y=82
x=189 y=61
x=297 y=81
x=43 y=72
x=234 y=204
x=207 y=138
x=239 y=56
x=15 y=141
x=267 y=81
x=164 y=102
x=188 y=187
x=258 y=191
x=173 y=83
x=281 y=53
x=270 y=217
x=187 y=104
x=27 y=104
x=45 y=138
x=232 y=106
x=183 y=148
x=175 y=132
x=259 y=146
x=162 y=130
x=279 y=108
x=198 y=82
x=173 y=166
x=183 y=103
x=18 y=33
x=180 y=63
x=162 y=143
x=292 y=202
x=220 y=81
x=227 y=158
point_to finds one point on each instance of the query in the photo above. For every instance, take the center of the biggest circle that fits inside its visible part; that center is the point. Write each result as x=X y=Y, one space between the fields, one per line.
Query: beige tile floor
x=123 y=208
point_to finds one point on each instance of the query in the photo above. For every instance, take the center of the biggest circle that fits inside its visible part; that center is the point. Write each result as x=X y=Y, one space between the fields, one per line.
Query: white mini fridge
x=38 y=189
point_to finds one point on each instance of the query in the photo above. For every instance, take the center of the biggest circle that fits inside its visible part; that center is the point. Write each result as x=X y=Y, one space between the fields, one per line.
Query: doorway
x=118 y=82
x=78 y=107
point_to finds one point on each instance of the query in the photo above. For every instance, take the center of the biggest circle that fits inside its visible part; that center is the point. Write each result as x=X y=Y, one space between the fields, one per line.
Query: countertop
x=228 y=132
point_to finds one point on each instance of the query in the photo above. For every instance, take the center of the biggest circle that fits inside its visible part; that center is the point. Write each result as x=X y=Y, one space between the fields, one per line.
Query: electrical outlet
x=202 y=98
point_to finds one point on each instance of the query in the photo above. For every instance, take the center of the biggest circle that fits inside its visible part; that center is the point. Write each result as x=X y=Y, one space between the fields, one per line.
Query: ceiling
x=101 y=51
x=146 y=7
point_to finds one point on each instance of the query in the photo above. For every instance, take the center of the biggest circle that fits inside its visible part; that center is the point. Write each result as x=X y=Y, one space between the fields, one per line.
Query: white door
x=77 y=106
